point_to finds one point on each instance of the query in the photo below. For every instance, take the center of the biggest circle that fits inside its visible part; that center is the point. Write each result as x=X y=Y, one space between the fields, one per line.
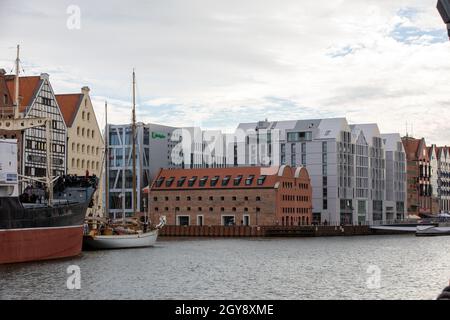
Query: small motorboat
x=433 y=231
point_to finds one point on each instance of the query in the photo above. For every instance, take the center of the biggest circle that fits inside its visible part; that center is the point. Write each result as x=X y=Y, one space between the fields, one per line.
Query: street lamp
x=443 y=7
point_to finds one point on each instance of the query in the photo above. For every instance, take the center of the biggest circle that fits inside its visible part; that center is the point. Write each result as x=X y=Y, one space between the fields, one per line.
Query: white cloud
x=218 y=63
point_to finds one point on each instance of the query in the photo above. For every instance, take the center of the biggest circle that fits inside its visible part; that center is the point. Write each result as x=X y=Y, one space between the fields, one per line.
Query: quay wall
x=269 y=231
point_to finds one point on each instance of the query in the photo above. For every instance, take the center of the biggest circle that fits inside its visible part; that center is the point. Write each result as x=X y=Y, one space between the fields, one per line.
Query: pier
x=273 y=231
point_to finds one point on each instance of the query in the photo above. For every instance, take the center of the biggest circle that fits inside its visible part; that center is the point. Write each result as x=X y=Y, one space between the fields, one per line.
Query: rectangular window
x=183 y=220
x=46 y=101
x=303 y=147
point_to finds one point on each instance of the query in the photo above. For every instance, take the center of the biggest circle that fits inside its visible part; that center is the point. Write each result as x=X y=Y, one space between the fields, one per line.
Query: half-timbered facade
x=37 y=99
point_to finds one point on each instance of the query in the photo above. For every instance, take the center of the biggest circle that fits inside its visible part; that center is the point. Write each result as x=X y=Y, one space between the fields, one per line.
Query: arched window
x=78 y=163
x=82 y=150
x=92 y=134
x=82 y=164
x=88 y=134
x=88 y=116
x=73 y=162
x=96 y=151
x=92 y=165
x=96 y=166
x=82 y=115
x=88 y=163
x=82 y=132
x=73 y=147
x=88 y=149
x=78 y=147
x=78 y=131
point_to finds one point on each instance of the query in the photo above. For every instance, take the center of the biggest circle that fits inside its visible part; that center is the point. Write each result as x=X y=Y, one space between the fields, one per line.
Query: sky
x=215 y=63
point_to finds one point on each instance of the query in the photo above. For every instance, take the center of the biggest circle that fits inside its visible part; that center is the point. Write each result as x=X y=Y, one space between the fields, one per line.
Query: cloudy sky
x=217 y=63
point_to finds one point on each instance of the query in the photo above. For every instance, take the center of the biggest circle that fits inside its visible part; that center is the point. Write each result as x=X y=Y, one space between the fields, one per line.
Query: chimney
x=85 y=90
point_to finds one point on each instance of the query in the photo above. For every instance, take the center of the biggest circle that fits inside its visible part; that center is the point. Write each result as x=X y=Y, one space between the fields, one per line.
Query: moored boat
x=31 y=228
x=428 y=231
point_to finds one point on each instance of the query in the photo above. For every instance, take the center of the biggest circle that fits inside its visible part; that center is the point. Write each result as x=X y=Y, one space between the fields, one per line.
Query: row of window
x=210 y=209
x=294 y=221
x=213 y=181
x=86 y=115
x=294 y=198
x=211 y=198
x=290 y=185
x=295 y=210
x=89 y=149
x=85 y=132
x=79 y=164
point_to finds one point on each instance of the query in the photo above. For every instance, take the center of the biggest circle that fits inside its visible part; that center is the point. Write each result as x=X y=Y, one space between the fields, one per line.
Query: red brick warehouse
x=232 y=196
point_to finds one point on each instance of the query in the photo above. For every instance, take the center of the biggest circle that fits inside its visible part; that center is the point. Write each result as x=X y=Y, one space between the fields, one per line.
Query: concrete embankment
x=270 y=231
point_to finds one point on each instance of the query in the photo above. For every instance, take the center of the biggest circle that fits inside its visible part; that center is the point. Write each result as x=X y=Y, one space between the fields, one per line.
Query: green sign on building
x=158 y=135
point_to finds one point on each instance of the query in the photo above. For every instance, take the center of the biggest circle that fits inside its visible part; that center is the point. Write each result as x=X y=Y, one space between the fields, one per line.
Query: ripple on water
x=298 y=268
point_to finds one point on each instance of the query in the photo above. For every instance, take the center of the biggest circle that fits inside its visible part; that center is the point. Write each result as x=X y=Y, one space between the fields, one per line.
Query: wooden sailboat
x=130 y=233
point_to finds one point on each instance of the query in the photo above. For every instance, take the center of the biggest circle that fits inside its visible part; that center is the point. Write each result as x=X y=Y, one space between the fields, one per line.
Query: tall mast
x=16 y=85
x=106 y=175
x=133 y=135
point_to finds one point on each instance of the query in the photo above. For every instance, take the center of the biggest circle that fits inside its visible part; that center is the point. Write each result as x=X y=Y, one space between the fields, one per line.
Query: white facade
x=376 y=171
x=346 y=164
x=8 y=168
x=326 y=148
x=396 y=177
x=443 y=157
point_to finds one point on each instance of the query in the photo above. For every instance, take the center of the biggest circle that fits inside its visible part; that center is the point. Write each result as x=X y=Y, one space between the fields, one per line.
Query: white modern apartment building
x=326 y=148
x=396 y=177
x=376 y=169
x=346 y=164
x=443 y=158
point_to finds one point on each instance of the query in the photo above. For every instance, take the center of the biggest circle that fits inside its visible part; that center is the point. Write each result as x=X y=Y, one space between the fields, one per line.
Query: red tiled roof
x=271 y=177
x=414 y=147
x=28 y=87
x=69 y=104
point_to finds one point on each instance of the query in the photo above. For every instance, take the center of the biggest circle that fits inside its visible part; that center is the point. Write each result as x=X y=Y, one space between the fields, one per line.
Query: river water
x=366 y=267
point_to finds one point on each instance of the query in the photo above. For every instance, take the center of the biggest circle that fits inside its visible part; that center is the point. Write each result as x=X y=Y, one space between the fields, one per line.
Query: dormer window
x=214 y=181
x=159 y=182
x=225 y=180
x=237 y=180
x=181 y=181
x=202 y=181
x=169 y=181
x=249 y=180
x=191 y=181
x=261 y=180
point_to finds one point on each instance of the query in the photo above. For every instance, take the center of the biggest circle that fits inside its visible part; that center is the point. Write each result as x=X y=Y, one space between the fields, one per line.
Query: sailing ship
x=46 y=220
x=127 y=233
